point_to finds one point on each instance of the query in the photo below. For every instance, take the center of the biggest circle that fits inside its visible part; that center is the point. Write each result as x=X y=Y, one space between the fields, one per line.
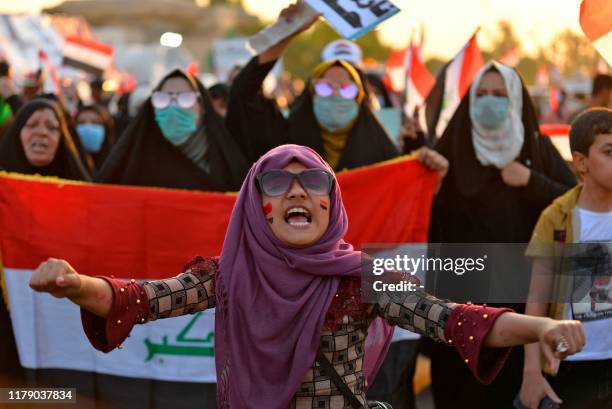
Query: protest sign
x=353 y=18
x=274 y=34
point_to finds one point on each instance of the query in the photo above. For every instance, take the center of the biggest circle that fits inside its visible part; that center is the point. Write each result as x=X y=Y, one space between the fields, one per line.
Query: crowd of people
x=500 y=180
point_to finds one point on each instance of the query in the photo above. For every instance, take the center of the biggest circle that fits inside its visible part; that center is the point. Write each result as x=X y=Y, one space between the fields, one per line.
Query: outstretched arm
x=482 y=335
x=111 y=307
x=59 y=279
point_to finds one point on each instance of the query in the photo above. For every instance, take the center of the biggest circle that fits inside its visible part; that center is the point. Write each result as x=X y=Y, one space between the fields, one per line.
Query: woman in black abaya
x=502 y=174
x=176 y=141
x=39 y=142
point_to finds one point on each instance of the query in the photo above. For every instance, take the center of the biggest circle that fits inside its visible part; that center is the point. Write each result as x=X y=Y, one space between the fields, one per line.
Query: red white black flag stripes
x=88 y=55
x=452 y=84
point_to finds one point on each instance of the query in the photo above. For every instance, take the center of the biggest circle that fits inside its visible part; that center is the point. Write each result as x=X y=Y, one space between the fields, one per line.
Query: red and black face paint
x=324 y=204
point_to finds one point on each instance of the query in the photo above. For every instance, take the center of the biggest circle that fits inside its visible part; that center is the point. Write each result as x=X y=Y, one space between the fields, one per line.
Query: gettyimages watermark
x=494 y=273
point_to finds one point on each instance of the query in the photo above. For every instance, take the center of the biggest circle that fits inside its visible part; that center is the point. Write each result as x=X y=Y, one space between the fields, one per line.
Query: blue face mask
x=176 y=124
x=92 y=136
x=490 y=111
x=334 y=113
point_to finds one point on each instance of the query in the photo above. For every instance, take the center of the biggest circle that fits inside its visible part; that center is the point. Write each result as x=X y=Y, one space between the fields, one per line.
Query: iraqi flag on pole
x=596 y=23
x=87 y=54
x=148 y=233
x=396 y=69
x=452 y=84
x=419 y=80
x=50 y=68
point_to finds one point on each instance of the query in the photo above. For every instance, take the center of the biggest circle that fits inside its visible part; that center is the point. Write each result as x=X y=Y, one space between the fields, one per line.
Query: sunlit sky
x=448 y=23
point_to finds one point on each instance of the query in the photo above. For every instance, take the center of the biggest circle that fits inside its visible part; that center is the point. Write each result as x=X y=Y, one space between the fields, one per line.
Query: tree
x=304 y=53
x=572 y=53
x=434 y=65
x=505 y=41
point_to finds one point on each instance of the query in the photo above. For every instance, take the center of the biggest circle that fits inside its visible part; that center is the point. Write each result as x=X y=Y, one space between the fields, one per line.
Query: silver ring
x=561 y=346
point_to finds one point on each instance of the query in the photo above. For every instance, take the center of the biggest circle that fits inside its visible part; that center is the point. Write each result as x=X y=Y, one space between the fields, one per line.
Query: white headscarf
x=501 y=146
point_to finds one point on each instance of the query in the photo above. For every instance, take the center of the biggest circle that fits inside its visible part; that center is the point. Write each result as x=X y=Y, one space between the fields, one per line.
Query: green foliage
x=528 y=68
x=506 y=40
x=434 y=65
x=304 y=53
x=572 y=52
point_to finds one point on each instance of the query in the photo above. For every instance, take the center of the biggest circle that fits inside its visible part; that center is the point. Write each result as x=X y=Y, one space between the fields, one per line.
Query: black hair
x=587 y=126
x=601 y=83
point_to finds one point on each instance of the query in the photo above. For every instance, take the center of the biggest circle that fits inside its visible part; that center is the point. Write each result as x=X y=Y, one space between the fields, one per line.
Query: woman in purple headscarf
x=286 y=289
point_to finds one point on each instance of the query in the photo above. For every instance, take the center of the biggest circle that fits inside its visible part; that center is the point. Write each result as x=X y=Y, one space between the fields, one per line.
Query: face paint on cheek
x=267 y=208
x=324 y=204
x=271 y=220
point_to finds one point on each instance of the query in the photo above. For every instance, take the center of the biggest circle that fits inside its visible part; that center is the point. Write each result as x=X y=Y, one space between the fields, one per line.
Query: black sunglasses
x=277 y=182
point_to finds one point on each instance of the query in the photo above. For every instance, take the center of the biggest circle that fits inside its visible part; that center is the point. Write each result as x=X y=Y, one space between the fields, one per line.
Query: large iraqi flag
x=146 y=233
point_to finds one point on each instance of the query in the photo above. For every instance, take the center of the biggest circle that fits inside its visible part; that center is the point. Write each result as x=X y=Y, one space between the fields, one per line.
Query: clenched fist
x=57 y=278
x=560 y=339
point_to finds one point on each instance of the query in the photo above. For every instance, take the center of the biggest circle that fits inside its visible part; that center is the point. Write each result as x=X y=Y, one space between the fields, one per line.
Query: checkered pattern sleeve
x=139 y=302
x=415 y=311
x=189 y=292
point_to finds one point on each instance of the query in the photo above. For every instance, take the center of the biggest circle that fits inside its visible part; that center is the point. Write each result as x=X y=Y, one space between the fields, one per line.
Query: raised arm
x=254 y=121
x=286 y=15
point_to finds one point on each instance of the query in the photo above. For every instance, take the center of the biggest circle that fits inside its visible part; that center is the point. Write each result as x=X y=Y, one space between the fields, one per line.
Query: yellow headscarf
x=334 y=143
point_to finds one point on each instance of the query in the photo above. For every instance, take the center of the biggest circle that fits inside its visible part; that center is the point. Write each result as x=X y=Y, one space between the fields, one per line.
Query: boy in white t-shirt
x=582 y=215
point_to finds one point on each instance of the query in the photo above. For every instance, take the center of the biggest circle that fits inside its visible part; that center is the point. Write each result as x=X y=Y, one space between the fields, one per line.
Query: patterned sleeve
x=415 y=311
x=187 y=293
x=138 y=303
x=463 y=326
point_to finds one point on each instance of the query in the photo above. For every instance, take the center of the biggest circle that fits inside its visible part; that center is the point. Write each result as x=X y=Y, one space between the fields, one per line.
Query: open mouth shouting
x=298 y=217
x=39 y=146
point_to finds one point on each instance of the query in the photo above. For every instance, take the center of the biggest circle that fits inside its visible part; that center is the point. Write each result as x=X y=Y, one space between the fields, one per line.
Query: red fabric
x=466 y=329
x=419 y=74
x=472 y=63
x=555 y=129
x=145 y=233
x=106 y=334
x=92 y=44
x=596 y=18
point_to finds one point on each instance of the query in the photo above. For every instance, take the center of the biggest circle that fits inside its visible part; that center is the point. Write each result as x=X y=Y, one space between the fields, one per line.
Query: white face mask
x=497 y=129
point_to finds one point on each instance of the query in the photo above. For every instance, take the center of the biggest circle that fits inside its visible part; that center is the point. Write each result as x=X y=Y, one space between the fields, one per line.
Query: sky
x=448 y=23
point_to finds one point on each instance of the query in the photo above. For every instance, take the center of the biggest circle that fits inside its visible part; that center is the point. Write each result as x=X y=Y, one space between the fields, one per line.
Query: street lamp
x=172 y=40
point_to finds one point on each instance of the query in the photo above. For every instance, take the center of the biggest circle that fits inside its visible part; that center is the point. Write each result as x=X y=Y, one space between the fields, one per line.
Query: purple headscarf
x=272 y=299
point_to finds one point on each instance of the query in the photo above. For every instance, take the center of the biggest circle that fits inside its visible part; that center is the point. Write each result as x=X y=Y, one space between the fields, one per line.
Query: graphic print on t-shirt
x=592 y=295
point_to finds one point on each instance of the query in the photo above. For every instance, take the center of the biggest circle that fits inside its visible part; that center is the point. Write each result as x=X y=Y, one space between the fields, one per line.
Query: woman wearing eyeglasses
x=176 y=141
x=332 y=115
x=289 y=313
